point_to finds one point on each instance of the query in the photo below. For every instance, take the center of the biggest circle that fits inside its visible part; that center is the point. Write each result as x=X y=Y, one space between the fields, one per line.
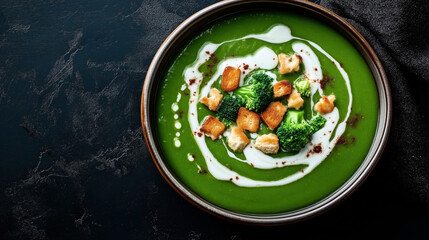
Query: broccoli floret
x=228 y=110
x=303 y=86
x=317 y=123
x=295 y=132
x=258 y=94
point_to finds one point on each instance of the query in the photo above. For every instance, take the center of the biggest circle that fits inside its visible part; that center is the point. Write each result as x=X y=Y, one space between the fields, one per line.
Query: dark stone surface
x=73 y=161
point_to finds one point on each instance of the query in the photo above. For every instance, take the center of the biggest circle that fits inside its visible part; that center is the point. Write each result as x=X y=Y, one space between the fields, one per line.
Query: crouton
x=213 y=101
x=295 y=100
x=267 y=143
x=325 y=104
x=288 y=64
x=230 y=79
x=282 y=88
x=273 y=115
x=237 y=140
x=212 y=127
x=248 y=120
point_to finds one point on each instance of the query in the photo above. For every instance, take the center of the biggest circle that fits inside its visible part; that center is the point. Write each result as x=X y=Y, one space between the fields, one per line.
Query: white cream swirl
x=265 y=58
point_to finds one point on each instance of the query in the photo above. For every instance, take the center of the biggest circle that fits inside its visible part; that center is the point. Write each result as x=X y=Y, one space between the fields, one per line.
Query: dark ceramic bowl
x=190 y=28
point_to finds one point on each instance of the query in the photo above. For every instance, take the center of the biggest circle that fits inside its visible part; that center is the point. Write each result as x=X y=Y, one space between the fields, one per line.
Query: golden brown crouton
x=267 y=143
x=237 y=140
x=248 y=120
x=230 y=79
x=282 y=88
x=288 y=63
x=213 y=101
x=212 y=127
x=295 y=100
x=273 y=115
x=325 y=104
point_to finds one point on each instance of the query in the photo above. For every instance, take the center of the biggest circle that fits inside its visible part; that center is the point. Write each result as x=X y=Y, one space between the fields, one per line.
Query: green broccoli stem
x=244 y=91
x=295 y=117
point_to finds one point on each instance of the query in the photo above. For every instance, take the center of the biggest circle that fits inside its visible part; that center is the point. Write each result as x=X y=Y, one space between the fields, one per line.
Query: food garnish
x=282 y=88
x=212 y=127
x=325 y=104
x=273 y=115
x=237 y=140
x=228 y=109
x=302 y=85
x=230 y=79
x=295 y=132
x=288 y=63
x=248 y=120
x=267 y=143
x=295 y=100
x=258 y=94
x=213 y=101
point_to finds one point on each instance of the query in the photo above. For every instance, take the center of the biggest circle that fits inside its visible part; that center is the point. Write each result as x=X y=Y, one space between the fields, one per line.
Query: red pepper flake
x=302 y=170
x=214 y=60
x=274 y=58
x=326 y=80
x=283 y=163
x=251 y=164
x=202 y=171
x=342 y=141
x=341 y=64
x=317 y=149
x=302 y=50
x=315 y=69
x=345 y=141
x=244 y=72
x=236 y=177
x=230 y=179
x=191 y=81
x=246 y=66
x=200 y=134
x=207 y=52
x=354 y=120
x=180 y=114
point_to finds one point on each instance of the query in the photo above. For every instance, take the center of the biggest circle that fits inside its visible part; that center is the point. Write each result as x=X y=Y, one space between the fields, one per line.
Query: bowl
x=194 y=24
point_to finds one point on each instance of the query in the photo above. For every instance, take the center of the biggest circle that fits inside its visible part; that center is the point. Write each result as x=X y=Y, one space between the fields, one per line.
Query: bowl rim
x=321 y=206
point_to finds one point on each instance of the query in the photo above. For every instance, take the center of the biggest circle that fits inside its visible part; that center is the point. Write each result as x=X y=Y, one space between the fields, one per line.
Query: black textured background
x=73 y=161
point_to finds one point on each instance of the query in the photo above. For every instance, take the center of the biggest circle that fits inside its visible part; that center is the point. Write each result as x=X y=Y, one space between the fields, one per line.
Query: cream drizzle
x=265 y=58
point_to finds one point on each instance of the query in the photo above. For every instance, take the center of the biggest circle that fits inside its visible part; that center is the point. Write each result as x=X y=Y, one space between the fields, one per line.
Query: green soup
x=334 y=53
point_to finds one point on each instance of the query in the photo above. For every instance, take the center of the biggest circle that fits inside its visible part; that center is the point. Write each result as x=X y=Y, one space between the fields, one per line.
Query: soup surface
x=251 y=181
